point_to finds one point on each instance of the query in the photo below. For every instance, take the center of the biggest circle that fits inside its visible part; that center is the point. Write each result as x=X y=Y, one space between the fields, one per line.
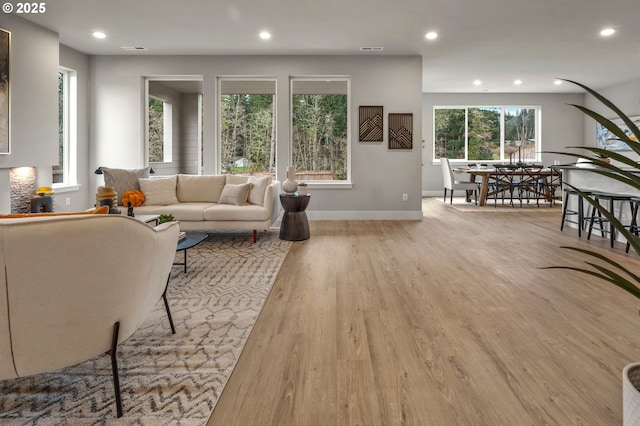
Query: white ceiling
x=496 y=41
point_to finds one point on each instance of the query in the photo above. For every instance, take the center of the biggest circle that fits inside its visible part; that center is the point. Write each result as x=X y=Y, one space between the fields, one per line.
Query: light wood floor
x=445 y=321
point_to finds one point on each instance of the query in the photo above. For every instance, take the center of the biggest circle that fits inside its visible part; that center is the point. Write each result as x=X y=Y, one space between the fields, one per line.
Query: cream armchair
x=74 y=287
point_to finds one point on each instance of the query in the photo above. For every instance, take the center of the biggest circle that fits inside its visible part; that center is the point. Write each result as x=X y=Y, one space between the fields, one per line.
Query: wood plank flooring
x=445 y=321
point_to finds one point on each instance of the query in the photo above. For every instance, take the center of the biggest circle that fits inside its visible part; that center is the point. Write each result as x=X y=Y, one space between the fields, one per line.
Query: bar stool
x=566 y=211
x=634 y=228
x=603 y=221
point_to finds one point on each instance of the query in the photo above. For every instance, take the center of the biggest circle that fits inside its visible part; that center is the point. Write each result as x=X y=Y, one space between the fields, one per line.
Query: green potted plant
x=165 y=217
x=599 y=265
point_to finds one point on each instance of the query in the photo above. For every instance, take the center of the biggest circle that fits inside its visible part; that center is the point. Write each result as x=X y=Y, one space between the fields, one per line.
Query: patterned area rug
x=165 y=378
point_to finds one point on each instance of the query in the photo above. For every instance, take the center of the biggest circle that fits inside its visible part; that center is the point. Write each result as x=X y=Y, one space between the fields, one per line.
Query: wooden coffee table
x=190 y=240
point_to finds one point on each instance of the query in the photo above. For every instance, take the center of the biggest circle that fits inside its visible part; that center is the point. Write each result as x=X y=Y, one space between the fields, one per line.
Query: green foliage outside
x=156 y=130
x=319 y=135
x=483 y=133
x=57 y=171
x=247 y=133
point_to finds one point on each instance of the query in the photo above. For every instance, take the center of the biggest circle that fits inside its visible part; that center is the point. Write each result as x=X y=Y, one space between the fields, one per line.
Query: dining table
x=488 y=173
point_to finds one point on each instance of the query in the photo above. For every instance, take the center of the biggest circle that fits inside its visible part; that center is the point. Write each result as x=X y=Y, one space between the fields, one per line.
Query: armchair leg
x=444 y=200
x=166 y=306
x=114 y=368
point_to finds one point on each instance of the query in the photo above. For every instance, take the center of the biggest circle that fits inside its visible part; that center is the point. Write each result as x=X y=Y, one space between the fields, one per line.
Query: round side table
x=294 y=226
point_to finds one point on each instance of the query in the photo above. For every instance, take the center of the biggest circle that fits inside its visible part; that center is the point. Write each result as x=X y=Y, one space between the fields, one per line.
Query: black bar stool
x=581 y=221
x=602 y=222
x=634 y=228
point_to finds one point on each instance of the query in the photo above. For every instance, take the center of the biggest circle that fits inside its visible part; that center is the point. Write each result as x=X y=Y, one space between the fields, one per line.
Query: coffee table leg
x=185 y=260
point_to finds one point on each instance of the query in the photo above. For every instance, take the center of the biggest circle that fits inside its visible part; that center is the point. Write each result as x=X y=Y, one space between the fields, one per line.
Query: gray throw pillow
x=123 y=180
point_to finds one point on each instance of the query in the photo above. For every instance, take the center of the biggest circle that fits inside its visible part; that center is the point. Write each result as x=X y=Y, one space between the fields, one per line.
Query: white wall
x=34 y=102
x=380 y=176
x=562 y=125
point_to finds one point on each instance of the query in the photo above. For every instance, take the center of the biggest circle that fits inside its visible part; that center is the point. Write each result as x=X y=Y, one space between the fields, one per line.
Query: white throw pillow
x=260 y=184
x=235 y=194
x=159 y=191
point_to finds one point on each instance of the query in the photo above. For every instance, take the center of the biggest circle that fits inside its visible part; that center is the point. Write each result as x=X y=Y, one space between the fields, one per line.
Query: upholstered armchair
x=74 y=287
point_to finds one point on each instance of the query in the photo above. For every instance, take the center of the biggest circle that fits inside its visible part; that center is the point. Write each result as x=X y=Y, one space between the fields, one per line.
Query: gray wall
x=380 y=176
x=625 y=96
x=34 y=102
x=562 y=125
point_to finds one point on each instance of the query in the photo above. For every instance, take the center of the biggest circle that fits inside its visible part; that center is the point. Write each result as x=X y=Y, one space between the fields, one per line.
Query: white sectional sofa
x=211 y=202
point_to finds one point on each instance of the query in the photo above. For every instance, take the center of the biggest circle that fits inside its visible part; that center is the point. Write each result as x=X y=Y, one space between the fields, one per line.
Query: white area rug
x=164 y=378
x=461 y=204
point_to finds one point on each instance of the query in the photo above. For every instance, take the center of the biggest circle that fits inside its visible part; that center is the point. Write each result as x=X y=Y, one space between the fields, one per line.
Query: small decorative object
x=107 y=196
x=290 y=186
x=165 y=218
x=130 y=210
x=302 y=188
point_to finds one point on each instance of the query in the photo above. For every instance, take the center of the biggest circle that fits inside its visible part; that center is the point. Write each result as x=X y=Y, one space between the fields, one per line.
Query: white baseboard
x=364 y=215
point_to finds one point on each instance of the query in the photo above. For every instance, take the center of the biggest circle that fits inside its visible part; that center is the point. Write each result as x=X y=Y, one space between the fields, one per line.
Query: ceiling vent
x=372 y=49
x=131 y=48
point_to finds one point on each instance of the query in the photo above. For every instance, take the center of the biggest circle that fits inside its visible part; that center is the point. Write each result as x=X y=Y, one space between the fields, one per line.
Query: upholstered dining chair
x=452 y=184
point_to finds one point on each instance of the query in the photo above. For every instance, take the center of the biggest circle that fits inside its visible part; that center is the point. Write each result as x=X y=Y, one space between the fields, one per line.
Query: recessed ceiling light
x=431 y=35
x=99 y=34
x=265 y=35
x=607 y=32
x=477 y=82
x=517 y=82
x=557 y=82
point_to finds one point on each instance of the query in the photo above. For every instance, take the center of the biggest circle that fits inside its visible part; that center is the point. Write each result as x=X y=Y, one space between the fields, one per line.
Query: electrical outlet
x=405 y=197
x=67 y=201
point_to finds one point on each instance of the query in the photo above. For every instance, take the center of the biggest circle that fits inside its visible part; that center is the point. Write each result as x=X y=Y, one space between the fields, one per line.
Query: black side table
x=294 y=226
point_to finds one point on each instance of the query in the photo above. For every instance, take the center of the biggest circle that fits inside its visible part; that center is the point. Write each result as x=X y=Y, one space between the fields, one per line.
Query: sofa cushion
x=200 y=188
x=235 y=194
x=249 y=213
x=258 y=188
x=237 y=179
x=123 y=180
x=183 y=211
x=159 y=190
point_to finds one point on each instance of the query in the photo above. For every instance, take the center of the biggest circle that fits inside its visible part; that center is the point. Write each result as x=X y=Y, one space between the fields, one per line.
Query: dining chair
x=507 y=181
x=531 y=183
x=450 y=183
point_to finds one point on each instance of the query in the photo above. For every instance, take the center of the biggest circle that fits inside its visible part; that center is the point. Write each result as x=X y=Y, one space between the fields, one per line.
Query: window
x=320 y=129
x=65 y=172
x=160 y=130
x=247 y=126
x=487 y=133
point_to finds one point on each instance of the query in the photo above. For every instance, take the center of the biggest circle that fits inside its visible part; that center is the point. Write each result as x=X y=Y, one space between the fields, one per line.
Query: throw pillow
x=135 y=197
x=159 y=191
x=258 y=188
x=99 y=210
x=123 y=180
x=199 y=188
x=235 y=194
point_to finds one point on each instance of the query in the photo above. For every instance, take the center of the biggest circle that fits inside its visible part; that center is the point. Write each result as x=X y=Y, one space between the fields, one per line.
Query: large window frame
x=312 y=85
x=247 y=158
x=167 y=130
x=504 y=154
x=65 y=174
